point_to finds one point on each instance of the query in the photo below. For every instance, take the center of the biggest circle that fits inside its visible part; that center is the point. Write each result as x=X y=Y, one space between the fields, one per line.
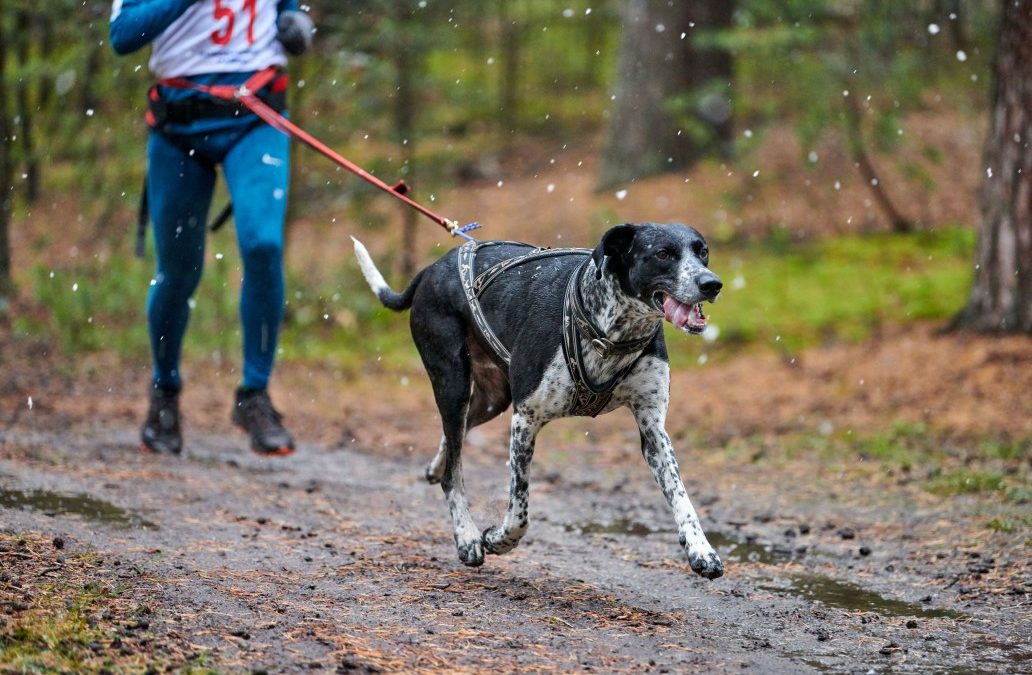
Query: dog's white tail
x=389 y=298
x=369 y=271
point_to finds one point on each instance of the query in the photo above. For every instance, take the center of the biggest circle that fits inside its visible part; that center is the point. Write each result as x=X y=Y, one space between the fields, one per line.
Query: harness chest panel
x=590 y=399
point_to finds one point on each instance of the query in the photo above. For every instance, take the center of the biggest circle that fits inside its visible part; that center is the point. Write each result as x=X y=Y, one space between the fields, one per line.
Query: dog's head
x=663 y=267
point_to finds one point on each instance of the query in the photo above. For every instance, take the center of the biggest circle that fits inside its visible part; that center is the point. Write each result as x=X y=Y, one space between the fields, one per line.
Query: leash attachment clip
x=456 y=231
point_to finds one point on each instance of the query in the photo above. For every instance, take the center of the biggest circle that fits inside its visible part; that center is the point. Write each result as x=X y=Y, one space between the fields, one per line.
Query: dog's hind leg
x=435 y=469
x=450 y=374
x=483 y=408
x=490 y=397
x=502 y=539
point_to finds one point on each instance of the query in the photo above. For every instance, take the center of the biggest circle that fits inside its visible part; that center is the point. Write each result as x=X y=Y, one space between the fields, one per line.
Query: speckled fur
x=524 y=307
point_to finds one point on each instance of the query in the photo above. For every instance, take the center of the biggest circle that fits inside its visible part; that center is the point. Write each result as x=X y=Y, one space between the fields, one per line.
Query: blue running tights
x=181 y=181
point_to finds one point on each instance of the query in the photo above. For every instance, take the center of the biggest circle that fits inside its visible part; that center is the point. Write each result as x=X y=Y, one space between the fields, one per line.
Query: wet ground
x=339 y=559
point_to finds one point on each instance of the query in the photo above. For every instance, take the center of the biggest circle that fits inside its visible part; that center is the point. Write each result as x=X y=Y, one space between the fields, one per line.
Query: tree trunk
x=658 y=61
x=6 y=170
x=405 y=63
x=95 y=35
x=900 y=224
x=23 y=104
x=508 y=85
x=1001 y=296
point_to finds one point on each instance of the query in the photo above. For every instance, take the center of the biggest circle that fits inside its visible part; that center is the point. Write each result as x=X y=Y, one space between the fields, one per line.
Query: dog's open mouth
x=688 y=318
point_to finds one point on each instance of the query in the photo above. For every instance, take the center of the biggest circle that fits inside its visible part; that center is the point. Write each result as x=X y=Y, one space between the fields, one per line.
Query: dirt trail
x=337 y=559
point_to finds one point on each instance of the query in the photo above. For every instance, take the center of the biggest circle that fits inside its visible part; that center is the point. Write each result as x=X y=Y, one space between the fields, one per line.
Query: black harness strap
x=495 y=271
x=141 y=221
x=467 y=258
x=590 y=398
x=593 y=334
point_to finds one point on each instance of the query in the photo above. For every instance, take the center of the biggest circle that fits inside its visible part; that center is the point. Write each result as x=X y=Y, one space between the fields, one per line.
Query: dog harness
x=590 y=398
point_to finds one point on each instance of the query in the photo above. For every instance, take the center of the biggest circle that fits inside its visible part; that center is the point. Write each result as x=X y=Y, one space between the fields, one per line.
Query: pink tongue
x=676 y=312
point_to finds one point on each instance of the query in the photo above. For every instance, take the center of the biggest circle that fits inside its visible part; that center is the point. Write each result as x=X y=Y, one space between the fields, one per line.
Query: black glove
x=294 y=30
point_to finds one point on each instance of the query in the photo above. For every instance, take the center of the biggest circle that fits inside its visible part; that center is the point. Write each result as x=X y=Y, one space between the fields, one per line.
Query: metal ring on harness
x=603 y=346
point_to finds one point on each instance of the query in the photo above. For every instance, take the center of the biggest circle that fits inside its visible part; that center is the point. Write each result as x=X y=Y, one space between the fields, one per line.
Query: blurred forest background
x=831 y=150
x=863 y=175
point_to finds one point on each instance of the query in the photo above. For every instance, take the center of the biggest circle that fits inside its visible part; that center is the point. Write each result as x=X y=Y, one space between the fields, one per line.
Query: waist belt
x=590 y=398
x=161 y=111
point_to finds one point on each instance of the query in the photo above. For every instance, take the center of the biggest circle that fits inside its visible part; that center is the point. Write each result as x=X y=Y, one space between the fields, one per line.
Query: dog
x=555 y=333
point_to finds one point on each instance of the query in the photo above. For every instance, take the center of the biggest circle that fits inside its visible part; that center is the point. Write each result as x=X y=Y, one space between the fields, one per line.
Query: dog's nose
x=709 y=284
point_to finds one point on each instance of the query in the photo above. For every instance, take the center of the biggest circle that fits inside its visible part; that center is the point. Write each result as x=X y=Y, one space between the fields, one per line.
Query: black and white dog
x=556 y=333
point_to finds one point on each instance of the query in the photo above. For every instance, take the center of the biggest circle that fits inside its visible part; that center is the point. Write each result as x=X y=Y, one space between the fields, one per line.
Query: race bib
x=219 y=36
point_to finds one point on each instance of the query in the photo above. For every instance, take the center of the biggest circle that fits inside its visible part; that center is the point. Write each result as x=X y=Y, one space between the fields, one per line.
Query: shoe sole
x=283 y=451
x=278 y=452
x=147 y=450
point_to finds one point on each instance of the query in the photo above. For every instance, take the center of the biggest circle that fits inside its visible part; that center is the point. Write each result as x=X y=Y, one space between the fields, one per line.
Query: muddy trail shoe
x=161 y=432
x=254 y=414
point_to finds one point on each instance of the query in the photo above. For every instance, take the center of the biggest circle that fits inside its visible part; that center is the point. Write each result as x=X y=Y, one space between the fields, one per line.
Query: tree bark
x=900 y=224
x=405 y=64
x=658 y=61
x=23 y=27
x=1001 y=296
x=6 y=170
x=509 y=84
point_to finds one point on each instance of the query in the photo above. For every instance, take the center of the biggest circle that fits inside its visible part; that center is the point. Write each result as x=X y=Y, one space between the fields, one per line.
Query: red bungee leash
x=246 y=94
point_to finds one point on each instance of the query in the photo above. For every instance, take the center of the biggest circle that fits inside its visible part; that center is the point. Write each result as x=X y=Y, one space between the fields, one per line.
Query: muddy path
x=338 y=559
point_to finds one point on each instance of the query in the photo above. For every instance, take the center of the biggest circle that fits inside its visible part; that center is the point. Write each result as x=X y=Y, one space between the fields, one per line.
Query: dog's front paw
x=471 y=553
x=496 y=542
x=707 y=565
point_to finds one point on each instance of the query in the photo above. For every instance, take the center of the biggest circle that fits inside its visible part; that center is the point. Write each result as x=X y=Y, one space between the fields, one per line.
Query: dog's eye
x=704 y=253
x=662 y=254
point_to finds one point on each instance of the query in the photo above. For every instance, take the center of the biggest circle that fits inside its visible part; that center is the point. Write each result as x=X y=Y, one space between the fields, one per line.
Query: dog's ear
x=615 y=243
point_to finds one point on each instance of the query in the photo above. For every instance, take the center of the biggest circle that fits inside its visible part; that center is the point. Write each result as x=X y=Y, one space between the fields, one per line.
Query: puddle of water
x=850 y=597
x=730 y=548
x=63 y=503
x=737 y=550
x=620 y=526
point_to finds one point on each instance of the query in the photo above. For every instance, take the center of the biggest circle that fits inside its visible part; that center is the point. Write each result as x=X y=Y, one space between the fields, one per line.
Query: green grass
x=791 y=295
x=1010 y=525
x=95 y=306
x=910 y=453
x=55 y=640
x=778 y=294
x=965 y=482
x=903 y=444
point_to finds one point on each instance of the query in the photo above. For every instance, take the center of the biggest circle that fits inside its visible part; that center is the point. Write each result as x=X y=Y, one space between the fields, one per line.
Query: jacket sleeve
x=286 y=6
x=134 y=23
